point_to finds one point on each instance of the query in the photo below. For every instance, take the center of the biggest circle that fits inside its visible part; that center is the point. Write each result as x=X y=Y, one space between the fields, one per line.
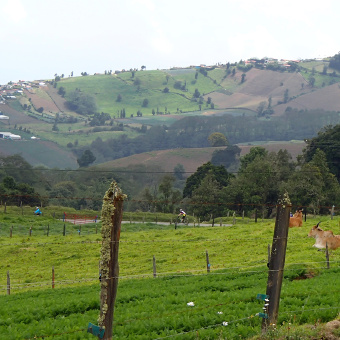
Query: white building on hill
x=9 y=135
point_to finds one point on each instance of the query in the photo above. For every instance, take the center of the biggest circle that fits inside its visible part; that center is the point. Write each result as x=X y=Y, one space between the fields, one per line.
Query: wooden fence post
x=5 y=207
x=48 y=229
x=234 y=218
x=242 y=214
x=22 y=208
x=255 y=215
x=221 y=222
x=199 y=221
x=112 y=213
x=30 y=231
x=8 y=284
x=277 y=260
x=154 y=266
x=11 y=231
x=327 y=256
x=208 y=263
x=64 y=231
x=332 y=212
x=53 y=277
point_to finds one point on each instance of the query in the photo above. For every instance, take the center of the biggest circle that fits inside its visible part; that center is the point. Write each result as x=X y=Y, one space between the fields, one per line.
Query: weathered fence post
x=234 y=218
x=112 y=213
x=8 y=284
x=53 y=277
x=22 y=208
x=208 y=263
x=11 y=231
x=255 y=215
x=154 y=266
x=5 y=207
x=64 y=231
x=242 y=215
x=277 y=260
x=332 y=212
x=48 y=229
x=221 y=222
x=30 y=231
x=327 y=256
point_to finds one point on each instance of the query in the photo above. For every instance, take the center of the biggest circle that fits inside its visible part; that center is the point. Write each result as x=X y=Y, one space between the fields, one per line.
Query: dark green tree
x=193 y=182
x=217 y=139
x=243 y=77
x=86 y=158
x=179 y=171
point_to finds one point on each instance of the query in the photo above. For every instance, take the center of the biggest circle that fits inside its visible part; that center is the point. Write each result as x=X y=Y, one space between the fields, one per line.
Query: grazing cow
x=296 y=220
x=322 y=237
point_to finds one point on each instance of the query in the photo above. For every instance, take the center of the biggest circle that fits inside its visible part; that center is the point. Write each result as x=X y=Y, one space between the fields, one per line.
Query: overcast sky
x=40 y=38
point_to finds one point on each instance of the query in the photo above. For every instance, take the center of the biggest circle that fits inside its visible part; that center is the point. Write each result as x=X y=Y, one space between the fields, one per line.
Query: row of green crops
x=157 y=308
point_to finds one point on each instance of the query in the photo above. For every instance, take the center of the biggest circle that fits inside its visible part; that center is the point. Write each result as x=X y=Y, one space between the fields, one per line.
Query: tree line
x=311 y=181
x=193 y=132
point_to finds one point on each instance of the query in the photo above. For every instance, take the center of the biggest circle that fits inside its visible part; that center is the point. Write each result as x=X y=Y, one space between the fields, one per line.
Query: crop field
x=183 y=301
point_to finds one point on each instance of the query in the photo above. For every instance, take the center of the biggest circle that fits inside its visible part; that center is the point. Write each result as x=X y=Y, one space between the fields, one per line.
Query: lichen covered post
x=112 y=212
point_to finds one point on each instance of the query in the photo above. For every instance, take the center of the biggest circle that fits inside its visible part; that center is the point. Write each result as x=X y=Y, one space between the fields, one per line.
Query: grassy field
x=155 y=308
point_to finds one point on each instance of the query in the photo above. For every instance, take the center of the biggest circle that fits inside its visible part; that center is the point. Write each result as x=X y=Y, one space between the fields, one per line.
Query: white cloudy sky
x=39 y=38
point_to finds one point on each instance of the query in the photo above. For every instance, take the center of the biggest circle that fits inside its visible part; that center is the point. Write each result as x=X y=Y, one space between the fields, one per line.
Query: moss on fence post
x=112 y=211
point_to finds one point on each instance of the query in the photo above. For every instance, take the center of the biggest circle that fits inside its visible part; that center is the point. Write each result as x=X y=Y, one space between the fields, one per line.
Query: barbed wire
x=217 y=240
x=173 y=202
x=184 y=273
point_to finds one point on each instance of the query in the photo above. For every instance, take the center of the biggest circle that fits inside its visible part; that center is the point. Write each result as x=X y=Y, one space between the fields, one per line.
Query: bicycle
x=181 y=219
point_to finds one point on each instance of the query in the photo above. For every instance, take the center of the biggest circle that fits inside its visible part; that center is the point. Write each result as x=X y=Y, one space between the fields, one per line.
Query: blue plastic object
x=96 y=330
x=262 y=297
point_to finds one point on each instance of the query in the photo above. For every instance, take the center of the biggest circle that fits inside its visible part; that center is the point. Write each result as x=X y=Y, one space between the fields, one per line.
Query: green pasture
x=320 y=79
x=155 y=308
x=152 y=84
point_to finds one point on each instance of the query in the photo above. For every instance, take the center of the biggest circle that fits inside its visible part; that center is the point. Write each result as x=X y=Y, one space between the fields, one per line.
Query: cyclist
x=182 y=215
x=37 y=211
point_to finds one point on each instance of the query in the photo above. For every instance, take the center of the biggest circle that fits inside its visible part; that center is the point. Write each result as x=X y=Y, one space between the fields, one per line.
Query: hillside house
x=9 y=135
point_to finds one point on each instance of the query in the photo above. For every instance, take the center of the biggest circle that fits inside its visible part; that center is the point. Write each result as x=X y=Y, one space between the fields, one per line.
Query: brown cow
x=322 y=237
x=296 y=220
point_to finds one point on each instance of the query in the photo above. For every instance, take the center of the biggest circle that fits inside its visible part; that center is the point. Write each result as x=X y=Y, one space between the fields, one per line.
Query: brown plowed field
x=38 y=101
x=16 y=117
x=327 y=98
x=191 y=159
x=259 y=86
x=58 y=100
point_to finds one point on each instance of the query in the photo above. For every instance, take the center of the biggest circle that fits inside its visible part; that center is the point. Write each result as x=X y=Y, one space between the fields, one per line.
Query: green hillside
x=162 y=97
x=148 y=85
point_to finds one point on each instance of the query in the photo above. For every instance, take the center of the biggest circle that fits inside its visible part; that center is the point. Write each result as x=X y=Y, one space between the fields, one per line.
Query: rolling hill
x=192 y=158
x=160 y=97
